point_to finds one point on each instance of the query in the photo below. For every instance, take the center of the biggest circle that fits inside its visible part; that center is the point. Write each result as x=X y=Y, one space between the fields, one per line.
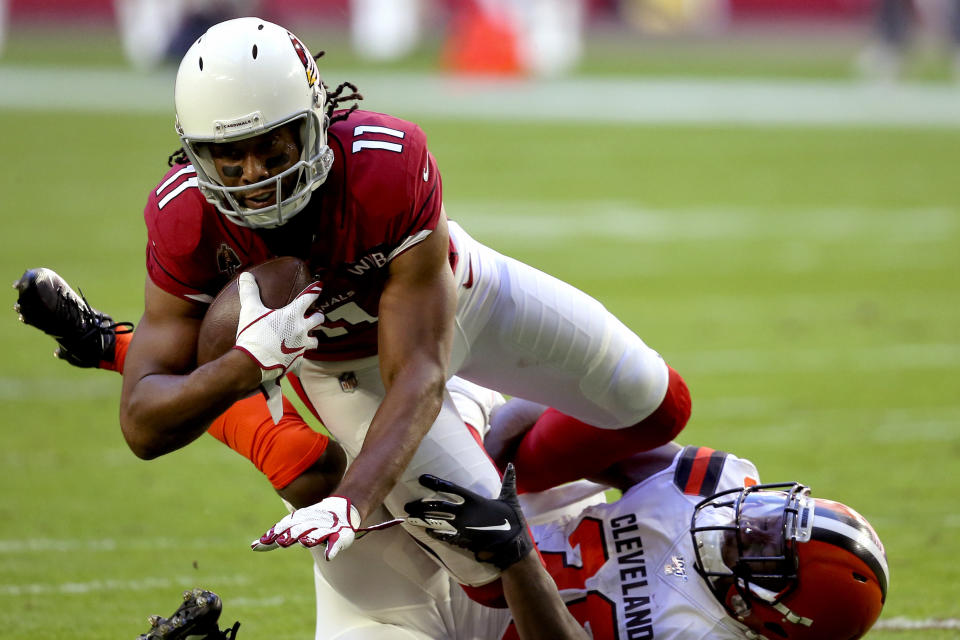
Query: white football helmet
x=240 y=79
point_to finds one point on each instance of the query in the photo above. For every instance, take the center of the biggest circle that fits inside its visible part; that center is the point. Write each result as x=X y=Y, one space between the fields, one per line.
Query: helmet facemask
x=746 y=539
x=292 y=186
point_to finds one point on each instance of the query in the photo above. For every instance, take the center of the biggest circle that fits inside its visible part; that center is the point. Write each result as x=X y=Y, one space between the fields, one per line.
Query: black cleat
x=47 y=302
x=195 y=619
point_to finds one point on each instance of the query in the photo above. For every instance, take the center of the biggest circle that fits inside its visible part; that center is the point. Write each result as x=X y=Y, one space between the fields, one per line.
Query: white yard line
x=274 y=601
x=185 y=582
x=595 y=99
x=610 y=220
x=100 y=545
x=66 y=388
x=869 y=358
x=901 y=624
x=101 y=586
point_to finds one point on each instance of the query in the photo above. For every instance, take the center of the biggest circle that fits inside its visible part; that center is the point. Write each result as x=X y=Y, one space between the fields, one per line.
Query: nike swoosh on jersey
x=426 y=173
x=469 y=283
x=284 y=348
x=503 y=526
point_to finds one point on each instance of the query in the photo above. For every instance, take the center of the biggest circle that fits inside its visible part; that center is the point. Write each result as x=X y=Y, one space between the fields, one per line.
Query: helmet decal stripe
x=827 y=509
x=855 y=540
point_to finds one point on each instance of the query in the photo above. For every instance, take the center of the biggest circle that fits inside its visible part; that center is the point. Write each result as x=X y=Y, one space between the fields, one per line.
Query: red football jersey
x=382 y=196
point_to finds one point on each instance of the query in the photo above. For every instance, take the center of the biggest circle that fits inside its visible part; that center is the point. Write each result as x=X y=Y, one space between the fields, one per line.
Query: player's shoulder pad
x=174 y=212
x=381 y=154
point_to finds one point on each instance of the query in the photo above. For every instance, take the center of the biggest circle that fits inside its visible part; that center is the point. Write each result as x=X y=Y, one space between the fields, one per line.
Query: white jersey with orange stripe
x=627 y=567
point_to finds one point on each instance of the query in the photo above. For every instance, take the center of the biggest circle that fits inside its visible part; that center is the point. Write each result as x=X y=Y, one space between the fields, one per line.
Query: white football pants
x=518 y=331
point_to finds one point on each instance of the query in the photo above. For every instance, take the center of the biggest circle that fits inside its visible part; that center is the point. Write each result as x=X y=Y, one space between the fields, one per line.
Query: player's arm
x=166 y=403
x=535 y=604
x=495 y=530
x=88 y=338
x=416 y=334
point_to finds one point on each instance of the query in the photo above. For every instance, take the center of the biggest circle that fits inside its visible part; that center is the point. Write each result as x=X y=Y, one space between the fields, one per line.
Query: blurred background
x=765 y=190
x=875 y=39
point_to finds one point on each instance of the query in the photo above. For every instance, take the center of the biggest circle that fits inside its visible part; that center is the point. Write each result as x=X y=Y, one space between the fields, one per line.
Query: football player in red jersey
x=406 y=298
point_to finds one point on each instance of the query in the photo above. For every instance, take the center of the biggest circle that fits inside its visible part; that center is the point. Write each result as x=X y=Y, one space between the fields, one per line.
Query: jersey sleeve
x=702 y=471
x=189 y=252
x=173 y=215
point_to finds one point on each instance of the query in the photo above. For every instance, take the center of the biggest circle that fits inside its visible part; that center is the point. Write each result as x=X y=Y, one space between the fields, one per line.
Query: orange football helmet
x=789 y=566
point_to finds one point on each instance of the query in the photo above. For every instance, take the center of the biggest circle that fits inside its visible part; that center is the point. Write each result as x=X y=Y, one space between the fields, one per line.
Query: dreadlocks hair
x=178 y=157
x=334 y=99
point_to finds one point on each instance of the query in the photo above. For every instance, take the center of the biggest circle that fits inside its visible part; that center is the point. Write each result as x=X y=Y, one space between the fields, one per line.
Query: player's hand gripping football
x=493 y=528
x=275 y=338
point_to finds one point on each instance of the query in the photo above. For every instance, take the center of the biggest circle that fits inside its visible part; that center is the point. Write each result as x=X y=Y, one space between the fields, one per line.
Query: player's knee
x=635 y=388
x=671 y=416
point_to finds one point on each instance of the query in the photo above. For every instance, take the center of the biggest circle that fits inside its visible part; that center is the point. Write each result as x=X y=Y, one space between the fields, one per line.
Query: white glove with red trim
x=275 y=338
x=332 y=521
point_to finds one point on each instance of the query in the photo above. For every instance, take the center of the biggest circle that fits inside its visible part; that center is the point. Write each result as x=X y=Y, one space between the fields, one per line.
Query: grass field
x=805 y=281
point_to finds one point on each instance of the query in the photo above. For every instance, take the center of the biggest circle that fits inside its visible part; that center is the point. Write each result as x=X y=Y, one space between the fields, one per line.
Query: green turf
x=804 y=281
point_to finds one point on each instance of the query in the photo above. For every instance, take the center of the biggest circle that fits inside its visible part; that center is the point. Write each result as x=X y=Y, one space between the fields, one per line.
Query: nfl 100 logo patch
x=676 y=567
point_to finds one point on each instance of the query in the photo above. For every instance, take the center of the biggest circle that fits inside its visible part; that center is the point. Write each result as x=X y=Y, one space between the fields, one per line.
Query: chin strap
x=791 y=616
x=771 y=597
x=742 y=609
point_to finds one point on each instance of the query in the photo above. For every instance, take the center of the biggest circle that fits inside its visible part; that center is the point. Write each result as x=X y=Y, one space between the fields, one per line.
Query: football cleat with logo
x=86 y=336
x=789 y=566
x=195 y=619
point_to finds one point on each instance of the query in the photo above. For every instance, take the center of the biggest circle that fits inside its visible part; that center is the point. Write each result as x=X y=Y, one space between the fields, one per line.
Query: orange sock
x=119 y=352
x=280 y=451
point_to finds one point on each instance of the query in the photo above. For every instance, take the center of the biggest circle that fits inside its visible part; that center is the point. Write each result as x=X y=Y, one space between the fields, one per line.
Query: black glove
x=493 y=528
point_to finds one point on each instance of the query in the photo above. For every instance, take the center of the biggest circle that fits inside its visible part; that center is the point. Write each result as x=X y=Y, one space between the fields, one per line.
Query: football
x=279 y=279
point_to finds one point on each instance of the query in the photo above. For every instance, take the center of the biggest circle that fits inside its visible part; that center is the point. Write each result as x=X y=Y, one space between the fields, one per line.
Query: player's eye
x=229 y=154
x=277 y=160
x=232 y=171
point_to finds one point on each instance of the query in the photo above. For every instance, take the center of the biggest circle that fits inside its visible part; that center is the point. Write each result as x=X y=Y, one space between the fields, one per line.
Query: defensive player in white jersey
x=694 y=549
